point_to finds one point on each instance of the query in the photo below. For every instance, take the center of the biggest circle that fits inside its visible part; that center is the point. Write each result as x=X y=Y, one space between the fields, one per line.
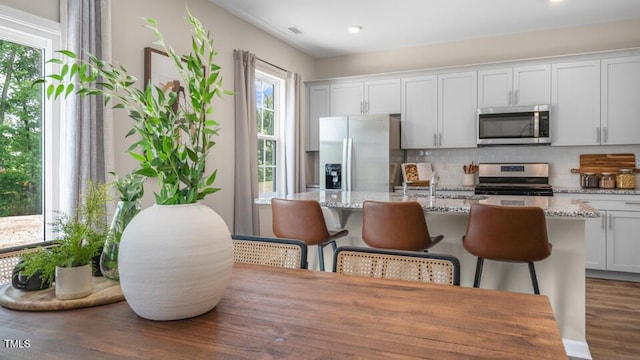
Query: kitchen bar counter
x=561 y=276
x=459 y=204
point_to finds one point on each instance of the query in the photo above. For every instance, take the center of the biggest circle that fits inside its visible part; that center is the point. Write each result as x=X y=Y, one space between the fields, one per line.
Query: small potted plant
x=70 y=260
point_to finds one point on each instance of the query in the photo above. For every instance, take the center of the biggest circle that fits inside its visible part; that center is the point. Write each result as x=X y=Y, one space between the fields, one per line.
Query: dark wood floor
x=613 y=319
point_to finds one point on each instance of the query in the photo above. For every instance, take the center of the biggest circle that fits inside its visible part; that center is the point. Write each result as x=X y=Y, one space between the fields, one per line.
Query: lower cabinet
x=612 y=241
x=623 y=242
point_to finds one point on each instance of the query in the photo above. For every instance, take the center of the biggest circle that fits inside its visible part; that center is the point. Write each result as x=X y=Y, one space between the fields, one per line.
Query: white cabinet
x=524 y=85
x=318 y=106
x=419 y=112
x=346 y=98
x=623 y=243
x=366 y=97
x=457 y=107
x=612 y=241
x=621 y=101
x=575 y=103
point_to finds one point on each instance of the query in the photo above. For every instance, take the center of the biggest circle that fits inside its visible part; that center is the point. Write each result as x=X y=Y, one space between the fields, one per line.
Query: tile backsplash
x=448 y=162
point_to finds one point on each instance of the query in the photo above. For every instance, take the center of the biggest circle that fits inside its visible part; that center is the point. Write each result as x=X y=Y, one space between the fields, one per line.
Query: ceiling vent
x=295 y=30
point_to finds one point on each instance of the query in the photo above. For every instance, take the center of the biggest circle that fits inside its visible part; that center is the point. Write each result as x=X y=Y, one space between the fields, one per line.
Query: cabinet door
x=419 y=112
x=596 y=242
x=318 y=107
x=346 y=99
x=621 y=101
x=575 y=103
x=457 y=109
x=382 y=96
x=532 y=85
x=495 y=87
x=623 y=244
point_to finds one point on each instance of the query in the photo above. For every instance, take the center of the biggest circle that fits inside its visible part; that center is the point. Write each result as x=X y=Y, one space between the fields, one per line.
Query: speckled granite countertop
x=438 y=188
x=458 y=204
x=571 y=190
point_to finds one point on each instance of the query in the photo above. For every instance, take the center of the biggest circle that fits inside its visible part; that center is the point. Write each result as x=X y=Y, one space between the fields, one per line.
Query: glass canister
x=588 y=180
x=125 y=211
x=608 y=181
x=626 y=179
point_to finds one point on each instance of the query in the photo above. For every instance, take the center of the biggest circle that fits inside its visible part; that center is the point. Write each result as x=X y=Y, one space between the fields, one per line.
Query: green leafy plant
x=130 y=187
x=80 y=238
x=175 y=136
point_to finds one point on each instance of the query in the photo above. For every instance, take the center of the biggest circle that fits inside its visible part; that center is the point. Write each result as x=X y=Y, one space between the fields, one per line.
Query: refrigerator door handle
x=349 y=162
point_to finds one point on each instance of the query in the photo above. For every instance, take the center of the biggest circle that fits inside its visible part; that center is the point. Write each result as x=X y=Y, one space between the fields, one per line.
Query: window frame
x=277 y=77
x=30 y=30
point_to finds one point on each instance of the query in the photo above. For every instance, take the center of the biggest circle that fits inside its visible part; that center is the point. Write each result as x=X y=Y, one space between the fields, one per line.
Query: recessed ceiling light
x=355 y=29
x=555 y=1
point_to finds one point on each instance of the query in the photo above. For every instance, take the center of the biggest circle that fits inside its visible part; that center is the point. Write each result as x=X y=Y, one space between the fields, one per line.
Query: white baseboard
x=577 y=349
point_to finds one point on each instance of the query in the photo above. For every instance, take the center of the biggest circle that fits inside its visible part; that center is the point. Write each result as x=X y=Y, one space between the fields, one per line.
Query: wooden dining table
x=275 y=313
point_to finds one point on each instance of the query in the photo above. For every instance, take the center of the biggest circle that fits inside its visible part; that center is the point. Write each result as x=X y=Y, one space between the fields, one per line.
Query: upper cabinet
x=366 y=97
x=524 y=85
x=457 y=107
x=439 y=111
x=620 y=116
x=575 y=104
x=318 y=106
x=419 y=112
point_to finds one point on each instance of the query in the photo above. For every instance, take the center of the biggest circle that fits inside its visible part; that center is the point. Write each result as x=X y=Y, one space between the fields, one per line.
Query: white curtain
x=87 y=124
x=245 y=219
x=294 y=135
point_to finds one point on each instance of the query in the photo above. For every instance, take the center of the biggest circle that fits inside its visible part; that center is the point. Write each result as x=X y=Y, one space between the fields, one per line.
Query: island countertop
x=458 y=204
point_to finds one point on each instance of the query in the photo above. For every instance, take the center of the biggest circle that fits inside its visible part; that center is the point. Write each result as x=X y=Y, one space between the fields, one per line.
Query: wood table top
x=274 y=313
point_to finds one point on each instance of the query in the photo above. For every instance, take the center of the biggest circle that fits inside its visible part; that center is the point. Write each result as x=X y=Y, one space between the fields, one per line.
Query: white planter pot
x=74 y=282
x=175 y=261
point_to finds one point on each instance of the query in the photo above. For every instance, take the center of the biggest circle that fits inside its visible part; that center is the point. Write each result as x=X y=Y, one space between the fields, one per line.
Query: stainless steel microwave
x=514 y=125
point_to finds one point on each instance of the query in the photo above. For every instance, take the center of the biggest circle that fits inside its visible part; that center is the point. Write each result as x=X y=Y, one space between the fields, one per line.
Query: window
x=269 y=114
x=28 y=129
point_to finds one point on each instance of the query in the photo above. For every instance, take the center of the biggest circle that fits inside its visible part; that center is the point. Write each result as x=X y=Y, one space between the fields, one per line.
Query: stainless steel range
x=526 y=179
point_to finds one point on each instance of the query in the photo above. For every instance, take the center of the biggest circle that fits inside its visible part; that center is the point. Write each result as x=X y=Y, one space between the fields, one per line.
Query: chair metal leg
x=476 y=280
x=534 y=278
x=321 y=256
x=334 y=246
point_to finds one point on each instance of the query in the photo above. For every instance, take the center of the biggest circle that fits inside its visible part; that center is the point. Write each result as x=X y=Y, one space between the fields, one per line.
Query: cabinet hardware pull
x=510 y=97
x=610 y=221
x=515 y=97
x=435 y=139
x=632 y=202
x=440 y=139
x=604 y=222
x=362 y=108
x=605 y=134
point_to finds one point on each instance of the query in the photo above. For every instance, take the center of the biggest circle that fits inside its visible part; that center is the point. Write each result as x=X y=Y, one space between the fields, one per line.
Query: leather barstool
x=396 y=225
x=303 y=220
x=506 y=233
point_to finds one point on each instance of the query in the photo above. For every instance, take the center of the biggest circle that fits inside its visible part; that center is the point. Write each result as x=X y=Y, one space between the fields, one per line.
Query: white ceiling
x=389 y=24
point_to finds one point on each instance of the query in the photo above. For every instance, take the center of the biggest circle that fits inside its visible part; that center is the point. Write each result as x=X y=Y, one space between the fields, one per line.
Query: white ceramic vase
x=73 y=282
x=175 y=261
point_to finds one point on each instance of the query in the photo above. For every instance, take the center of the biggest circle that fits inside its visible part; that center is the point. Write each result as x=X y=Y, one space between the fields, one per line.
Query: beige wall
x=48 y=9
x=618 y=35
x=130 y=38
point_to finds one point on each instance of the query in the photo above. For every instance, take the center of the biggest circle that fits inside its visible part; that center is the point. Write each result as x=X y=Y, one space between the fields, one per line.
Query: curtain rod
x=275 y=66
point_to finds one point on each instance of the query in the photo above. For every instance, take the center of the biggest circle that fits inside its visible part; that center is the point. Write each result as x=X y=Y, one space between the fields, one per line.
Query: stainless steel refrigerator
x=360 y=153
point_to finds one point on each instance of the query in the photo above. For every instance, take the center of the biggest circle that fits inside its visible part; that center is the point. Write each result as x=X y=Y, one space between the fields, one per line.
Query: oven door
x=513 y=127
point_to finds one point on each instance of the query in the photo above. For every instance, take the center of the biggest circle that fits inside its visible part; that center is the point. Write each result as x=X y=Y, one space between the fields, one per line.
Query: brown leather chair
x=303 y=220
x=396 y=226
x=506 y=233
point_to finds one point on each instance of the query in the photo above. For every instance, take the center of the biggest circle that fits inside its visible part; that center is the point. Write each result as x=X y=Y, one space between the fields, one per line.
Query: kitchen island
x=561 y=276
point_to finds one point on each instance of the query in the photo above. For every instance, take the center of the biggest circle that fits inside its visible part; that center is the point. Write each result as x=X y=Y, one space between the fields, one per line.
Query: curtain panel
x=294 y=135
x=87 y=125
x=245 y=219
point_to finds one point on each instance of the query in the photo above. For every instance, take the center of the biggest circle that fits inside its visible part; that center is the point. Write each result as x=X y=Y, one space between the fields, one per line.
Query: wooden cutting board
x=599 y=163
